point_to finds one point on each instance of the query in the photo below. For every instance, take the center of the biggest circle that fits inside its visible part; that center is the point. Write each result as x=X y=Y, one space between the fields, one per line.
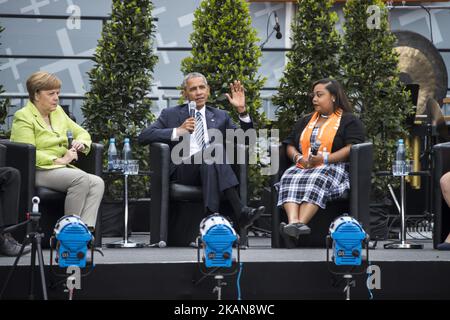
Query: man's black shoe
x=10 y=247
x=250 y=215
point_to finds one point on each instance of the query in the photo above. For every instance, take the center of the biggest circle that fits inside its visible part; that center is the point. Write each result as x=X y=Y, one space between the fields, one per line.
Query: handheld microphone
x=69 y=139
x=277 y=26
x=192 y=106
x=315 y=147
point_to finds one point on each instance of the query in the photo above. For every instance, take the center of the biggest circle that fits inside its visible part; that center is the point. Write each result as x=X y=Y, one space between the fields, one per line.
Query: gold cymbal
x=414 y=63
x=421 y=63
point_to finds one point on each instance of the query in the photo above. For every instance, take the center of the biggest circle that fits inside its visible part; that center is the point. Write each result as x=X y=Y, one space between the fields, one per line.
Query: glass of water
x=409 y=166
x=131 y=167
x=402 y=168
x=118 y=165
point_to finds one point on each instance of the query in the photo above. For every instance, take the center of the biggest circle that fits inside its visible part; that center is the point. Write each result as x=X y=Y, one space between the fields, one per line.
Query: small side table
x=402 y=244
x=125 y=243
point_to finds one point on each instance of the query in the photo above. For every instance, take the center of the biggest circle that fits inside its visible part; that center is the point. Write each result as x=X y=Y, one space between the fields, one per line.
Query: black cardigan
x=351 y=131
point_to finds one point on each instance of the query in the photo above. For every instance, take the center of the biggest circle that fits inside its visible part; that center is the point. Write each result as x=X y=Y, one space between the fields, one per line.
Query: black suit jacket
x=170 y=118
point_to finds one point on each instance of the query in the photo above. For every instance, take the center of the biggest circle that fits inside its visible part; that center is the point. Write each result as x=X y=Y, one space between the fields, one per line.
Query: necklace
x=324 y=116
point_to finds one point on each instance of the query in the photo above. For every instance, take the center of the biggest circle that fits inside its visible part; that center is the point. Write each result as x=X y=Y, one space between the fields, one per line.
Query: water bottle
x=126 y=152
x=112 y=155
x=400 y=158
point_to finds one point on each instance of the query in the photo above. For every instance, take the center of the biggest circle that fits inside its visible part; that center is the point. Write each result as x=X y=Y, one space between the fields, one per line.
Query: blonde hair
x=41 y=80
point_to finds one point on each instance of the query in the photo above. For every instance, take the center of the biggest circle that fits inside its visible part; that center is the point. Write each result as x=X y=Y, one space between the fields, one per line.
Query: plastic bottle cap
x=400 y=141
x=126 y=140
x=112 y=140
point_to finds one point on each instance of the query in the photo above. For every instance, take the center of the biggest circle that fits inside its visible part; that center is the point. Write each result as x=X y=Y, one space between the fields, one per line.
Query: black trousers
x=214 y=178
x=9 y=196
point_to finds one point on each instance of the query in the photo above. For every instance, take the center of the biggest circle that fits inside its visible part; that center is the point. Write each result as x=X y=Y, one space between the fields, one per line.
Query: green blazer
x=29 y=127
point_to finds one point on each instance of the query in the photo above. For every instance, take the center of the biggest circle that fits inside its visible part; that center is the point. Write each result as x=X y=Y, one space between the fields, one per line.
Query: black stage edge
x=259 y=281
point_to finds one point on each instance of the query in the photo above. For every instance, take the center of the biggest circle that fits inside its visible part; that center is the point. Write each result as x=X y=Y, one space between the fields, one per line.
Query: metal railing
x=72 y=101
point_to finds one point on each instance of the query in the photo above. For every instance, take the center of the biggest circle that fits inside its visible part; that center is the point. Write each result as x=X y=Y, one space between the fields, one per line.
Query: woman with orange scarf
x=322 y=175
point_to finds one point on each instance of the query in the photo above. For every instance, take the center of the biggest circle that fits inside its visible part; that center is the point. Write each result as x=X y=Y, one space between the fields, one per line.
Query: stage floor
x=259 y=251
x=264 y=274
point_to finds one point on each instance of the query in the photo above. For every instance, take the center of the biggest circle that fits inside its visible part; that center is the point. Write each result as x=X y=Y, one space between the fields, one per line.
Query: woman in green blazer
x=44 y=124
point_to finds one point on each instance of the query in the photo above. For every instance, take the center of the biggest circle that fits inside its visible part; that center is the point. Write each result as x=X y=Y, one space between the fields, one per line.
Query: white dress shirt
x=194 y=147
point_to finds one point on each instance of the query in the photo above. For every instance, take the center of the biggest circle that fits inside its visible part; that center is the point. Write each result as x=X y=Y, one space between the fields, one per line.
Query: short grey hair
x=193 y=75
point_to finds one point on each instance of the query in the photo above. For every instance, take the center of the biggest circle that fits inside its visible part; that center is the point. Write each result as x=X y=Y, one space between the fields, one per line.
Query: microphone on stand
x=277 y=27
x=192 y=107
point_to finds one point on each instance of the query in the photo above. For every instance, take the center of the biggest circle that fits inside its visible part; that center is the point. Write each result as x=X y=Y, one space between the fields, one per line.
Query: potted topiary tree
x=314 y=55
x=369 y=62
x=118 y=104
x=4 y=105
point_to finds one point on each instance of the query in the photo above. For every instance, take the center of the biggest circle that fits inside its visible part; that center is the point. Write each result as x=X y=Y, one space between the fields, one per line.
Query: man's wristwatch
x=243 y=114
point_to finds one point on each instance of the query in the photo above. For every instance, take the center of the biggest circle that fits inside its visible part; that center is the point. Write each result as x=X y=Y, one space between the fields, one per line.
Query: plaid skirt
x=316 y=185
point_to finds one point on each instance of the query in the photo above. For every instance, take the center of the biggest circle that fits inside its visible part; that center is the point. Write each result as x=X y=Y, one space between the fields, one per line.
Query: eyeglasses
x=318 y=94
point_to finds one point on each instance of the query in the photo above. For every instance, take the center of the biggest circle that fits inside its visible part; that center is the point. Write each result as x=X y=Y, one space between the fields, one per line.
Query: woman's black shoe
x=289 y=242
x=296 y=229
x=303 y=228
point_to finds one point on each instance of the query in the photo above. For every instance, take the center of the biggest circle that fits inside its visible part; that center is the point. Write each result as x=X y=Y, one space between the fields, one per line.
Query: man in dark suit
x=193 y=123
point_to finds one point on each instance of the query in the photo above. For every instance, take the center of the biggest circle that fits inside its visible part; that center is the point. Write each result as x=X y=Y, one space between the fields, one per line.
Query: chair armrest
x=22 y=156
x=441 y=153
x=241 y=171
x=361 y=164
x=159 y=191
x=441 y=165
x=93 y=161
x=284 y=163
x=2 y=155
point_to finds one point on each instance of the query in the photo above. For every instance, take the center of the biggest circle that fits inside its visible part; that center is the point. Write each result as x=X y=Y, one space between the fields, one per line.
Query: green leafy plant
x=224 y=49
x=369 y=63
x=314 y=55
x=117 y=104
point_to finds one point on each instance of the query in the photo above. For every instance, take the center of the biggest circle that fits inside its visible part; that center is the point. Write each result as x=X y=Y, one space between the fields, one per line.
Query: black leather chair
x=355 y=202
x=440 y=209
x=176 y=210
x=22 y=156
x=2 y=155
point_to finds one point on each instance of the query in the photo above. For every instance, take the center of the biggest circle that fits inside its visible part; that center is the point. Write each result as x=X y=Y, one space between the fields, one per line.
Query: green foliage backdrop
x=369 y=64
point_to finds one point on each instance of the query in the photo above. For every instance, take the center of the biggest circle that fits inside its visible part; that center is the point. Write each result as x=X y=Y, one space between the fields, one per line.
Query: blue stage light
x=348 y=236
x=218 y=236
x=73 y=238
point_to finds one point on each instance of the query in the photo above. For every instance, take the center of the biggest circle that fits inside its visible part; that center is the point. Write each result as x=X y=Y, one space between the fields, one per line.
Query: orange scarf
x=326 y=133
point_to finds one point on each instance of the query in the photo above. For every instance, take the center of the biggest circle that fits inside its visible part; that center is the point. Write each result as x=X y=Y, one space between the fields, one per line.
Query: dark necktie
x=199 y=133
